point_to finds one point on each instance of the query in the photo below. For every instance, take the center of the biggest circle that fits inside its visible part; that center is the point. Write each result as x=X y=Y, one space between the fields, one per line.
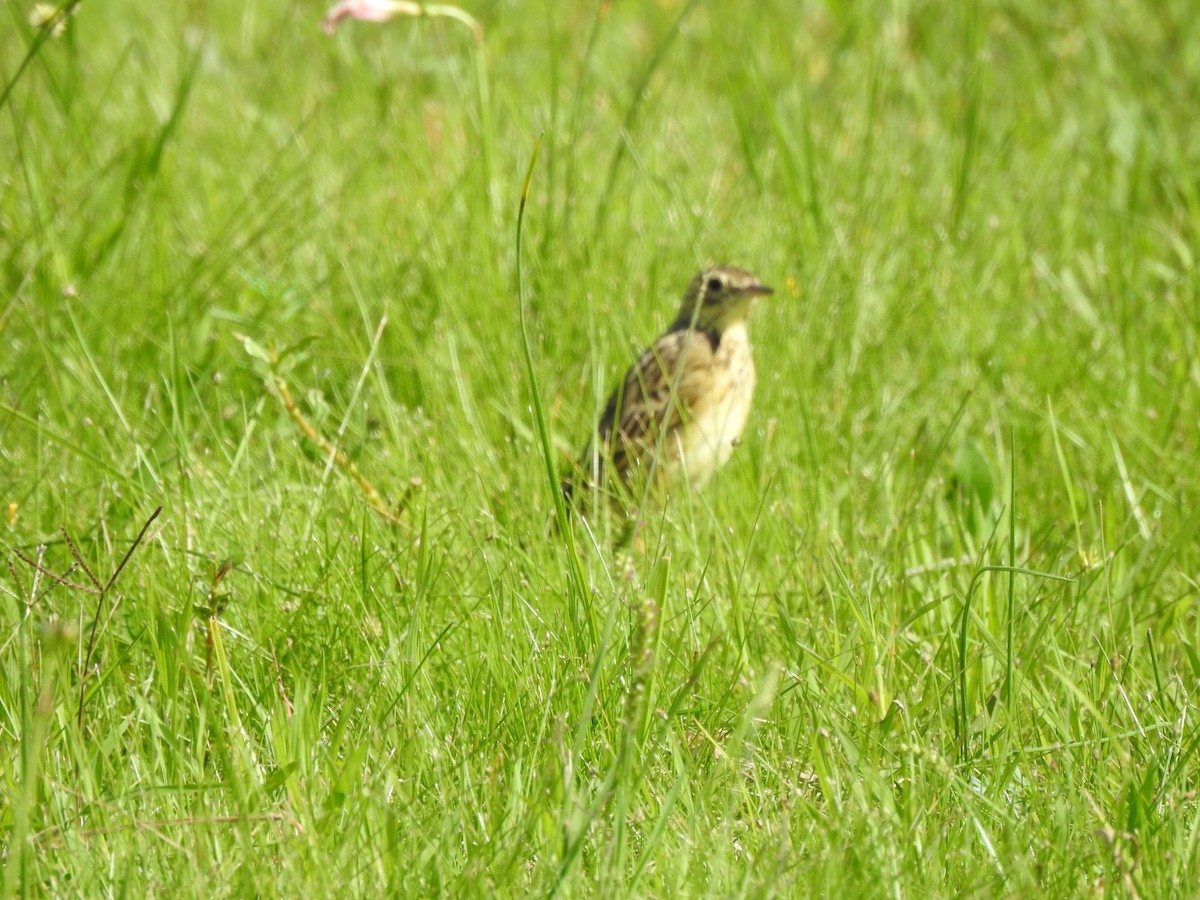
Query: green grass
x=934 y=629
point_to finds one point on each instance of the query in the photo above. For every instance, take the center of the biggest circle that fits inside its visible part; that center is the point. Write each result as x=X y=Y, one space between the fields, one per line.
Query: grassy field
x=932 y=632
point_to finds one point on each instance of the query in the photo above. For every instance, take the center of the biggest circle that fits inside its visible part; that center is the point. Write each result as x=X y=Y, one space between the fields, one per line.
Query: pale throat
x=728 y=316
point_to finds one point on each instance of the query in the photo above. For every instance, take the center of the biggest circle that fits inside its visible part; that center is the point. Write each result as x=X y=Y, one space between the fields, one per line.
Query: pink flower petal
x=367 y=11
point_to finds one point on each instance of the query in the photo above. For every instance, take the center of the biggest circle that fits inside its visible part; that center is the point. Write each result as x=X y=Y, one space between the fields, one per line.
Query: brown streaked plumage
x=680 y=409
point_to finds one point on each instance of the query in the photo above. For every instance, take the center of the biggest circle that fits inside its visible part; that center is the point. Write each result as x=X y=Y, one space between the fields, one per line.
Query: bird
x=679 y=411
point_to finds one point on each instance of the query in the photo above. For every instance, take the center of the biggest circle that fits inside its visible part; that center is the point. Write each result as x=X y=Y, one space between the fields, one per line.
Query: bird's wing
x=657 y=393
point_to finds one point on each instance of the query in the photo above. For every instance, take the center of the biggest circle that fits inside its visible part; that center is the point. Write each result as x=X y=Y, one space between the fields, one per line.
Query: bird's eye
x=714 y=285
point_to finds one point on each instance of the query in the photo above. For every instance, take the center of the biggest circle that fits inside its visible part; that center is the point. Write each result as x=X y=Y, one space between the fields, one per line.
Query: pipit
x=680 y=409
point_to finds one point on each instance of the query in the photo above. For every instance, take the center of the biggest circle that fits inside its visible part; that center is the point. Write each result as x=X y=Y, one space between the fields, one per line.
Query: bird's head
x=719 y=297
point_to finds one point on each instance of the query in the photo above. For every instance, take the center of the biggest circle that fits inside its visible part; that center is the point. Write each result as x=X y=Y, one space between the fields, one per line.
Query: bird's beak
x=758 y=290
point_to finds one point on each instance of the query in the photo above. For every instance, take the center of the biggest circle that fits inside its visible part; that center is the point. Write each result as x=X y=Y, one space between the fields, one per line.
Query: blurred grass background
x=932 y=631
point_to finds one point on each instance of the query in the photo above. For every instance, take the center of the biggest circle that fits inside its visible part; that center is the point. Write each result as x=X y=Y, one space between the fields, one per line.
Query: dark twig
x=100 y=590
x=132 y=547
x=79 y=559
x=103 y=591
x=59 y=579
